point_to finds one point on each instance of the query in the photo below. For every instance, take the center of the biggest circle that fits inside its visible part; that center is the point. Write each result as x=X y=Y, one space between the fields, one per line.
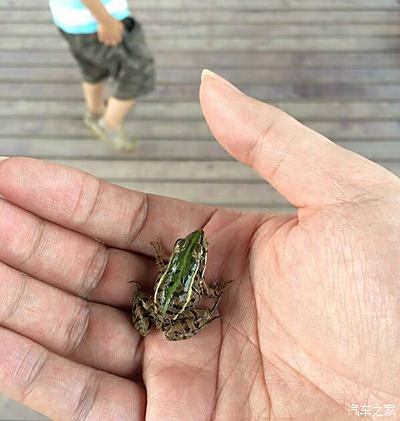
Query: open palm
x=310 y=324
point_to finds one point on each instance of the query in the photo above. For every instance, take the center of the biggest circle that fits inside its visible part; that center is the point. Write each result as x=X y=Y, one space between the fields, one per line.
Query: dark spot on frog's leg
x=194 y=299
x=192 y=323
x=172 y=311
x=186 y=333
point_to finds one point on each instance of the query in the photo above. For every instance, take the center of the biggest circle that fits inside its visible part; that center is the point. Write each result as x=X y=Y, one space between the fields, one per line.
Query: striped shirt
x=73 y=17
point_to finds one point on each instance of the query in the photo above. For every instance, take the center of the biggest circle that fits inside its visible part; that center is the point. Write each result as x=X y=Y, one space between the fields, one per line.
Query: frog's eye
x=179 y=243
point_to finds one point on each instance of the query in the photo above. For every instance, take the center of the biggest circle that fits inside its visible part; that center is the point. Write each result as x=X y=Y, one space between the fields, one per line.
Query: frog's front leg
x=142 y=312
x=215 y=289
x=161 y=258
x=189 y=324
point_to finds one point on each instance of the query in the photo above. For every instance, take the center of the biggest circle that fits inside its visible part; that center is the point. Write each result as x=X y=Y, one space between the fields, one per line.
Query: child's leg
x=135 y=77
x=93 y=93
x=116 y=111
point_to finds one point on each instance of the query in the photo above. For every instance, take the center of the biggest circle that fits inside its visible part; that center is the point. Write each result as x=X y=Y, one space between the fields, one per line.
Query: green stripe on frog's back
x=182 y=268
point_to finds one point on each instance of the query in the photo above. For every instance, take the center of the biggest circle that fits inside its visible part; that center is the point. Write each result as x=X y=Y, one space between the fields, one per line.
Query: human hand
x=110 y=31
x=310 y=324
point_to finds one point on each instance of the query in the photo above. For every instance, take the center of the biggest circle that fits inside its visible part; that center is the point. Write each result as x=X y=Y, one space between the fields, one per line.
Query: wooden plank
x=184 y=171
x=226 y=30
x=256 y=16
x=166 y=150
x=245 y=60
x=269 y=93
x=356 y=129
x=341 y=110
x=263 y=5
x=378 y=150
x=313 y=92
x=237 y=76
x=242 y=194
x=233 y=44
x=233 y=4
x=180 y=171
x=75 y=109
x=93 y=149
x=42 y=127
x=191 y=110
x=165 y=129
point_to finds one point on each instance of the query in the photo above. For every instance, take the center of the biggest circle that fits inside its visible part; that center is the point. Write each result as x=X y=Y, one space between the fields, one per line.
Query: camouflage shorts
x=130 y=64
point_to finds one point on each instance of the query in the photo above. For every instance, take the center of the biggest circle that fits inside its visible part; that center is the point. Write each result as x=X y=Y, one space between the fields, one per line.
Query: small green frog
x=179 y=287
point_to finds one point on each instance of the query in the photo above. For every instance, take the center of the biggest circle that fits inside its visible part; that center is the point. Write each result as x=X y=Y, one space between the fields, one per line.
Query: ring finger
x=94 y=334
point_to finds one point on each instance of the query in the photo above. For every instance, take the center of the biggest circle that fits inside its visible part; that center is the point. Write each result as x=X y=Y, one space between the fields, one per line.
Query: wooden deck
x=334 y=64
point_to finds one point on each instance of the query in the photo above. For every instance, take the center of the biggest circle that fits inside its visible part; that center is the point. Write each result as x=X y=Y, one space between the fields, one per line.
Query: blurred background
x=334 y=65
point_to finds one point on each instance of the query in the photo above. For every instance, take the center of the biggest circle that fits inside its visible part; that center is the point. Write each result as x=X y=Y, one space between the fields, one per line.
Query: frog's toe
x=137 y=286
x=216 y=289
x=220 y=286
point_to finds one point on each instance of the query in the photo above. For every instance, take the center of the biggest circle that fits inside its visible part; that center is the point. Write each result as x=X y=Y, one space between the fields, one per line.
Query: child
x=106 y=42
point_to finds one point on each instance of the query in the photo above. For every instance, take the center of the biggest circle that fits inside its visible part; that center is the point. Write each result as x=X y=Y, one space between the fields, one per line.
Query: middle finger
x=67 y=259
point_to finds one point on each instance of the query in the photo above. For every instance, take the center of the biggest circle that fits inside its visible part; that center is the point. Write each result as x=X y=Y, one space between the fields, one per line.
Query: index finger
x=119 y=217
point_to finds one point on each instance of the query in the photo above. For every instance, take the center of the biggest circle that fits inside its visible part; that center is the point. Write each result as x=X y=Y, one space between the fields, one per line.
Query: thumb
x=305 y=167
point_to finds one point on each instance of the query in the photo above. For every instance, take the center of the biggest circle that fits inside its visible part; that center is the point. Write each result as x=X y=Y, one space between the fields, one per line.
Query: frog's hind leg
x=161 y=258
x=189 y=324
x=142 y=312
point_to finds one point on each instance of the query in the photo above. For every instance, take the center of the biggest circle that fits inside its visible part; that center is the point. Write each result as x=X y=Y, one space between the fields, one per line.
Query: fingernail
x=208 y=73
x=4 y=157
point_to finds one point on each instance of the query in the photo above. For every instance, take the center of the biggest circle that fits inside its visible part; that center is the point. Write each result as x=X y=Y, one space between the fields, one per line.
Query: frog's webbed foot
x=161 y=258
x=214 y=290
x=189 y=324
x=142 y=311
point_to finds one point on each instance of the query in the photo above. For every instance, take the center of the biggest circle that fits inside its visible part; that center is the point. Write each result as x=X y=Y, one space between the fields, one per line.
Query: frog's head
x=194 y=244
